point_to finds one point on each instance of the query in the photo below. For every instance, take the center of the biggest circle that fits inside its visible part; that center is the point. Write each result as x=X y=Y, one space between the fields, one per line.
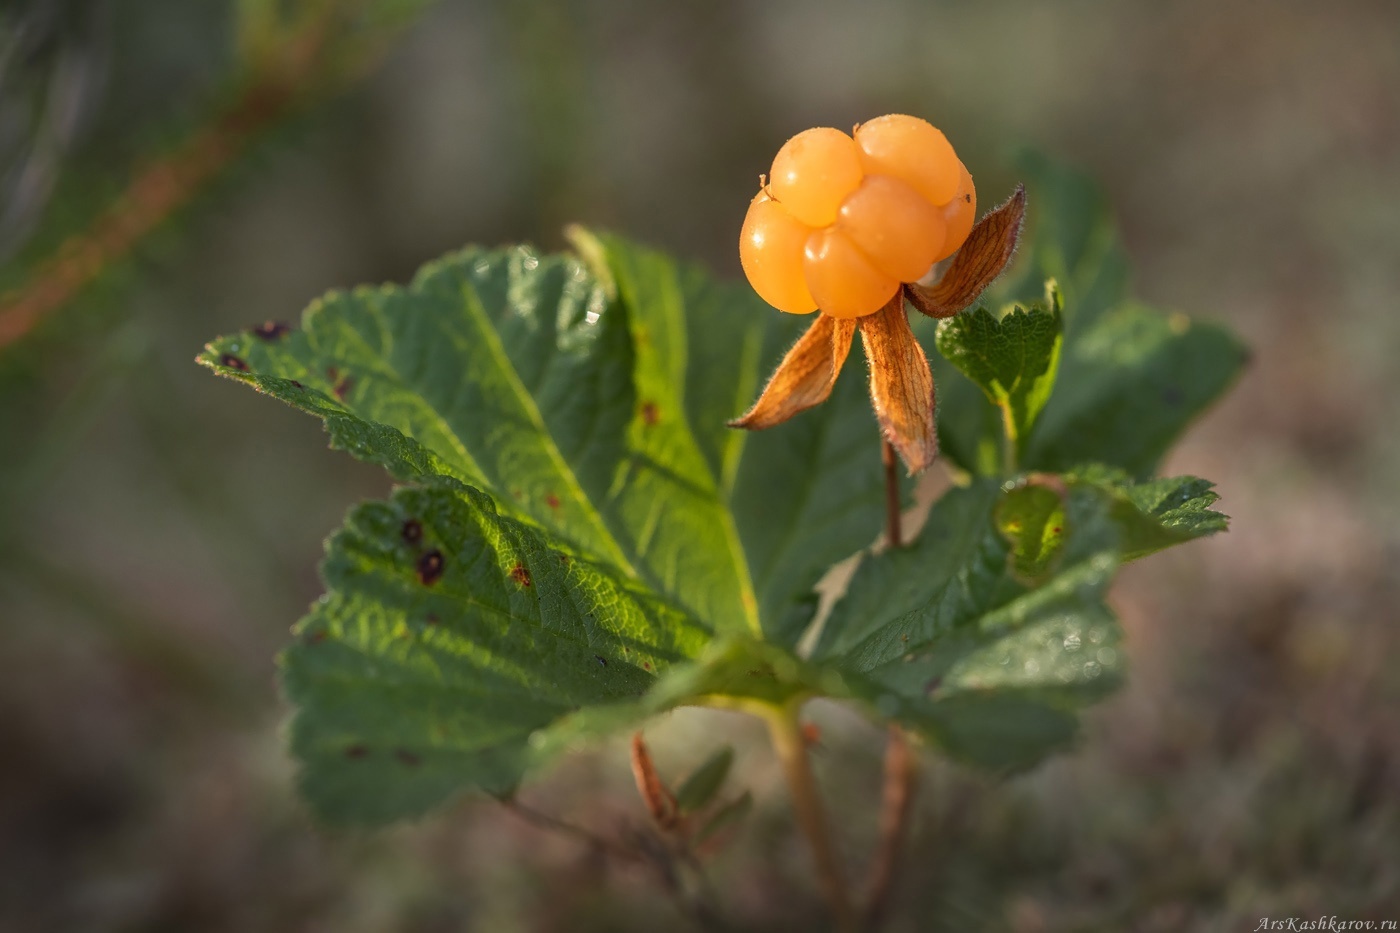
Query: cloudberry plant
x=578 y=545
x=843 y=222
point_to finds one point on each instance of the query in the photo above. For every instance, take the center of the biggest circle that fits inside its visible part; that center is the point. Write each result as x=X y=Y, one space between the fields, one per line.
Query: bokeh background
x=159 y=528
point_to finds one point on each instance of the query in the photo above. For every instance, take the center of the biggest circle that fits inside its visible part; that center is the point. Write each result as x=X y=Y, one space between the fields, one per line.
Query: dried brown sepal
x=806 y=375
x=660 y=802
x=982 y=257
x=901 y=386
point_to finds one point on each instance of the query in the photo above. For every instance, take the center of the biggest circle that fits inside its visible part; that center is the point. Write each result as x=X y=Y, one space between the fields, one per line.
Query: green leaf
x=1128 y=388
x=705 y=781
x=1158 y=513
x=450 y=635
x=1032 y=518
x=588 y=408
x=1013 y=360
x=732 y=812
x=987 y=665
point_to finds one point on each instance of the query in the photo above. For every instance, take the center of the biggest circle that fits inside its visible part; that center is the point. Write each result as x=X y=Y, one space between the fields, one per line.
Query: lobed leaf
x=449 y=636
x=1013 y=360
x=989 y=632
x=588 y=406
x=991 y=667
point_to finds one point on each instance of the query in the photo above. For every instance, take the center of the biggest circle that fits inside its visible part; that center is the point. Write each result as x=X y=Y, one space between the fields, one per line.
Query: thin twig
x=309 y=65
x=791 y=749
x=891 y=495
x=640 y=846
x=554 y=824
x=898 y=798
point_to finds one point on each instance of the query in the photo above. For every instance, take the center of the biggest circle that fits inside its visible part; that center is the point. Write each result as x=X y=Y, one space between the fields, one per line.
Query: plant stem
x=791 y=749
x=891 y=495
x=1008 y=443
x=894 y=821
x=554 y=824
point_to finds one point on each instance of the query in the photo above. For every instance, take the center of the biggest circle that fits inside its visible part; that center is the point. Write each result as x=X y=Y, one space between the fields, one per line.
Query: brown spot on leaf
x=412 y=531
x=343 y=386
x=430 y=566
x=356 y=752
x=332 y=373
x=407 y=757
x=297 y=384
x=811 y=734
x=233 y=362
x=316 y=637
x=601 y=660
x=520 y=574
x=272 y=330
x=646 y=665
x=432 y=619
x=933 y=685
x=564 y=559
x=650 y=414
x=552 y=501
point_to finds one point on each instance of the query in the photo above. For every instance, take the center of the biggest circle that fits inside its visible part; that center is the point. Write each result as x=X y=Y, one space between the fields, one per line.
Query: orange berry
x=894 y=226
x=913 y=151
x=842 y=279
x=770 y=249
x=960 y=213
x=813 y=172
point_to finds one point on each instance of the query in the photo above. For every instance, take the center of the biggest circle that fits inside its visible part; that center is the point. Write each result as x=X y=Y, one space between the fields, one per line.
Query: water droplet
x=1091 y=668
x=1096 y=636
x=1107 y=656
x=481 y=266
x=1072 y=641
x=531 y=262
x=1032 y=667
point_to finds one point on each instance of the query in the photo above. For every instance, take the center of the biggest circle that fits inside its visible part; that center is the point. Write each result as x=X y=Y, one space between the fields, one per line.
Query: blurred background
x=223 y=163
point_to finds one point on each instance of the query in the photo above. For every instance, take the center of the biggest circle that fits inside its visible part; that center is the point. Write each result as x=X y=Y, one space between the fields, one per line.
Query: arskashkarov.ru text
x=1325 y=923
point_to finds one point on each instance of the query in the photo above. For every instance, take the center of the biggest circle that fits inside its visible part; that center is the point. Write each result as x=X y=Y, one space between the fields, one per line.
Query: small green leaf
x=705 y=781
x=1013 y=360
x=1158 y=513
x=986 y=664
x=732 y=812
x=1032 y=518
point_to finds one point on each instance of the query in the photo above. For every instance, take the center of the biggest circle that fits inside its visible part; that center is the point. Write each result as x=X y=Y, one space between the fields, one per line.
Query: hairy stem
x=891 y=495
x=791 y=749
x=898 y=798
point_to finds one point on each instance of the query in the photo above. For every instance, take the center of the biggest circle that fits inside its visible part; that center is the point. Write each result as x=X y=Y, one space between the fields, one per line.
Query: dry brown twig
x=307 y=64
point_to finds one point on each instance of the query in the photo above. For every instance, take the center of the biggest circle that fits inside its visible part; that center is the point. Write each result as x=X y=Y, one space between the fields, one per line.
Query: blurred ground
x=159 y=529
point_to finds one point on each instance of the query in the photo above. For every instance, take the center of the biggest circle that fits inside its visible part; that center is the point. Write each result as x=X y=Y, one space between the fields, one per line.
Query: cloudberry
x=844 y=221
